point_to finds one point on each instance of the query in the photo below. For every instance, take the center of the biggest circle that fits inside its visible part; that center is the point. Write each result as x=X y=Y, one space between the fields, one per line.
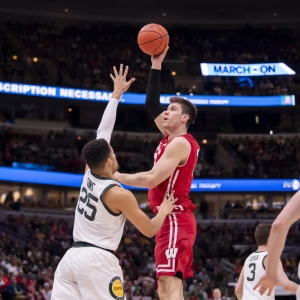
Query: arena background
x=249 y=161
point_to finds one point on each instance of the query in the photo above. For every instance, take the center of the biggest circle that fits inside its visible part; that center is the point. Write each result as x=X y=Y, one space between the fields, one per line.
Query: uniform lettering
x=254 y=257
x=90 y=184
x=171 y=253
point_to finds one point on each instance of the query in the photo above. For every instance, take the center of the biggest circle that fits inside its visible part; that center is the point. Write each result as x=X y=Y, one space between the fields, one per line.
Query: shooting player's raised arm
x=153 y=91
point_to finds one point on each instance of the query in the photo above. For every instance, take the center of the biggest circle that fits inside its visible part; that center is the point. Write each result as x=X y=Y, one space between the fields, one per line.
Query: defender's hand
x=120 y=84
x=168 y=203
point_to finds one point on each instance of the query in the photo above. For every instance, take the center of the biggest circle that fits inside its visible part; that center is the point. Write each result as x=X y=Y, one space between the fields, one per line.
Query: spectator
x=14 y=290
x=237 y=205
x=192 y=296
x=47 y=291
x=217 y=295
x=151 y=265
x=194 y=287
x=238 y=268
x=203 y=276
x=9 y=199
x=4 y=282
x=228 y=205
x=24 y=286
x=204 y=209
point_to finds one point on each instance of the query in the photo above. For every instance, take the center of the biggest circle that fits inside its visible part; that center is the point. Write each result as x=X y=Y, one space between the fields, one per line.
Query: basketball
x=153 y=39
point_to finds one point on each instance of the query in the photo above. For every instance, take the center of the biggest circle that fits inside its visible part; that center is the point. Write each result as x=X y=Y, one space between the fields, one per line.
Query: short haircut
x=187 y=108
x=95 y=153
x=262 y=233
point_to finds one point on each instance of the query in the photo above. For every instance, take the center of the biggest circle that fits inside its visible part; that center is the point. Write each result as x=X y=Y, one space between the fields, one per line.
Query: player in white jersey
x=254 y=268
x=90 y=270
x=279 y=231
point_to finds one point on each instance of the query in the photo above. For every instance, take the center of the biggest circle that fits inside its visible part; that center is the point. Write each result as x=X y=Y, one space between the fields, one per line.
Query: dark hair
x=187 y=108
x=95 y=153
x=262 y=233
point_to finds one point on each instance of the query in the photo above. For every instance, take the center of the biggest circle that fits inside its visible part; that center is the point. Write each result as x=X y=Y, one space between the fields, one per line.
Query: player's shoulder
x=189 y=138
x=178 y=143
x=118 y=192
x=180 y=140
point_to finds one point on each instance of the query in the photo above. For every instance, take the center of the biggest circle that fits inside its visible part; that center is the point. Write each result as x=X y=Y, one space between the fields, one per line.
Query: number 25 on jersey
x=86 y=199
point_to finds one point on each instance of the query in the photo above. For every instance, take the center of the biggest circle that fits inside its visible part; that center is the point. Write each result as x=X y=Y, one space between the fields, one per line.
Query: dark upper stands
x=83 y=56
x=266 y=157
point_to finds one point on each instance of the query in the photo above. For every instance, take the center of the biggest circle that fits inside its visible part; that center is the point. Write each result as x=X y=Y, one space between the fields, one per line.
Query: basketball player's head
x=179 y=112
x=262 y=233
x=99 y=155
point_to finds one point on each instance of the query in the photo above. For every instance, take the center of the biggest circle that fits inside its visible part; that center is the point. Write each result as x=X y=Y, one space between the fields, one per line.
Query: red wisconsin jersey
x=180 y=181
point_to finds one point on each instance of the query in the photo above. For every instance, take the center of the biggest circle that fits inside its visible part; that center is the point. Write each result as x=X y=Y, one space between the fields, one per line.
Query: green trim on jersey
x=263 y=261
x=101 y=178
x=105 y=206
x=260 y=251
x=85 y=244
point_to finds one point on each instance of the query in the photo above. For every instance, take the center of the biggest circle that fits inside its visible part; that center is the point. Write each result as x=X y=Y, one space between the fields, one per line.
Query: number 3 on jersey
x=252 y=267
x=86 y=200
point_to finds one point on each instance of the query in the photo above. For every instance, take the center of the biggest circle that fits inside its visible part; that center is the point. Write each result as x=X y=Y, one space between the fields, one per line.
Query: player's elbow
x=152 y=184
x=150 y=234
x=279 y=224
x=152 y=181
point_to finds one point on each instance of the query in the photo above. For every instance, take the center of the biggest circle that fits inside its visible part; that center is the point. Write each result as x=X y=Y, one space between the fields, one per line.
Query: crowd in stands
x=82 y=55
x=258 y=157
x=29 y=257
x=61 y=151
x=54 y=150
x=265 y=157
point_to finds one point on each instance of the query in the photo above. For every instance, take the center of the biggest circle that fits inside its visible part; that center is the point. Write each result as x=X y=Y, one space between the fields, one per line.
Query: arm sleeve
x=153 y=94
x=108 y=120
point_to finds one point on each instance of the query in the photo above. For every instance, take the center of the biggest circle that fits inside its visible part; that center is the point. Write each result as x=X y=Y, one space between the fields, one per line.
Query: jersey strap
x=85 y=244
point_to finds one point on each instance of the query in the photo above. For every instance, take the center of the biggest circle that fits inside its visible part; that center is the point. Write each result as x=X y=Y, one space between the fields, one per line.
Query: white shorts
x=88 y=273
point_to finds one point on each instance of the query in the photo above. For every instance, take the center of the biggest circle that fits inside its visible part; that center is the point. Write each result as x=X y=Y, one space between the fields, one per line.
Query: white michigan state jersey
x=254 y=269
x=94 y=222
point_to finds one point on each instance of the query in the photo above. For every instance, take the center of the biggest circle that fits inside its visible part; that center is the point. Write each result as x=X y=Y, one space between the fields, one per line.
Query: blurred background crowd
x=48 y=134
x=81 y=55
x=31 y=248
x=254 y=157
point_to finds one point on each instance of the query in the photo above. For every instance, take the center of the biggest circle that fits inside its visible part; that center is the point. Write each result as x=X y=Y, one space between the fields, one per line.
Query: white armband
x=108 y=120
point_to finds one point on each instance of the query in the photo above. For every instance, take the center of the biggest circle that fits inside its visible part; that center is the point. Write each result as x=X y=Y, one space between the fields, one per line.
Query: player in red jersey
x=174 y=161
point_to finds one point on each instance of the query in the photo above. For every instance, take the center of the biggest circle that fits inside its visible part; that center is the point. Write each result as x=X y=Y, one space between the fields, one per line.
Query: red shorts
x=174 y=245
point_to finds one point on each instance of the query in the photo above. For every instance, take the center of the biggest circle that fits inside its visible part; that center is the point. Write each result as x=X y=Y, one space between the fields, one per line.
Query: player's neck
x=102 y=173
x=177 y=132
x=262 y=248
